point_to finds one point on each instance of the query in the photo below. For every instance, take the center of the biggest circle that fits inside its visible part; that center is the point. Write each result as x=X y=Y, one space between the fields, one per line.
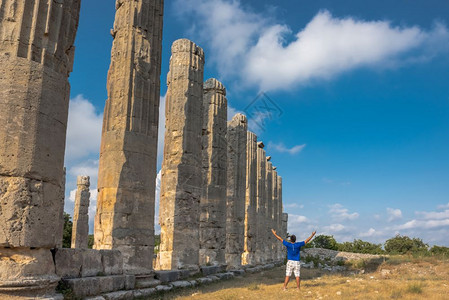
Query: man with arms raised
x=293 y=257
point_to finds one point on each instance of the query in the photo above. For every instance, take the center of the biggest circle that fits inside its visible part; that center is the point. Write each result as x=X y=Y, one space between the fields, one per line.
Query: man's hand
x=277 y=236
x=273 y=231
x=314 y=232
x=310 y=237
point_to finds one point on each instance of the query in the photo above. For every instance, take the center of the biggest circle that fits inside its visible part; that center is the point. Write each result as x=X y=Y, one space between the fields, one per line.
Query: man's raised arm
x=310 y=237
x=277 y=236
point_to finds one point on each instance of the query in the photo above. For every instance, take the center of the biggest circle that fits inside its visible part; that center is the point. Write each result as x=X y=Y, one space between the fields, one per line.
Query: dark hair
x=293 y=238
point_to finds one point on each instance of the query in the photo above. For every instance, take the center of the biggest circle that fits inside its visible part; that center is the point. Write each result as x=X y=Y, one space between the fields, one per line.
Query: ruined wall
x=127 y=171
x=36 y=58
x=236 y=190
x=181 y=183
x=213 y=197
x=275 y=216
x=248 y=256
x=80 y=229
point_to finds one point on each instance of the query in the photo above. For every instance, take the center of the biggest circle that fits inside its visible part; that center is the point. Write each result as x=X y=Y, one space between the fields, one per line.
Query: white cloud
x=271 y=56
x=157 y=227
x=297 y=219
x=435 y=215
x=338 y=212
x=283 y=149
x=394 y=214
x=83 y=129
x=294 y=205
x=423 y=224
x=444 y=206
x=334 y=228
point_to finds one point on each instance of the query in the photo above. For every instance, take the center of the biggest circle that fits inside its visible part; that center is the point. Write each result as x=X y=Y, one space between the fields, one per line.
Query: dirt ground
x=397 y=278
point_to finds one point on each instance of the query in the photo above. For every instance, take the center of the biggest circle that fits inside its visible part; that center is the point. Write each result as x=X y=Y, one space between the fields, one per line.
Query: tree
x=402 y=244
x=359 y=246
x=325 y=241
x=67 y=233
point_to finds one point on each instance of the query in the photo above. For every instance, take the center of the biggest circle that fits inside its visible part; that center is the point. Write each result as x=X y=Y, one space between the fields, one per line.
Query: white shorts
x=293 y=265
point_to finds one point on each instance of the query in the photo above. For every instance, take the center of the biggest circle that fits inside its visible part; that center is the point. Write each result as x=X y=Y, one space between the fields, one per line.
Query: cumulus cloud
x=157 y=227
x=83 y=129
x=394 y=214
x=271 y=56
x=338 y=212
x=444 y=206
x=334 y=228
x=283 y=149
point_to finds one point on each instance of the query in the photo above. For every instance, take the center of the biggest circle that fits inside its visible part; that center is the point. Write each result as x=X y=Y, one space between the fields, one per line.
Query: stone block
x=163 y=288
x=144 y=292
x=238 y=272
x=213 y=278
x=227 y=275
x=130 y=282
x=92 y=286
x=120 y=295
x=209 y=270
x=167 y=276
x=112 y=261
x=204 y=280
x=75 y=263
x=181 y=284
x=146 y=281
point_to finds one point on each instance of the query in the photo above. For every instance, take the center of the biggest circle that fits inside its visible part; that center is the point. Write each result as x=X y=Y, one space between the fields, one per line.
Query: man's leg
x=287 y=278
x=298 y=282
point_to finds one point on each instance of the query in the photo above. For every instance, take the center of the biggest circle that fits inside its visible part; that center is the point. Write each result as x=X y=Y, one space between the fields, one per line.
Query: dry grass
x=401 y=278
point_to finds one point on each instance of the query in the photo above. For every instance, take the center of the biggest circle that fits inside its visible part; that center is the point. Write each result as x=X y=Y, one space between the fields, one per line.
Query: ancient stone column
x=36 y=58
x=274 y=220
x=284 y=232
x=248 y=256
x=236 y=190
x=279 y=223
x=262 y=235
x=269 y=210
x=181 y=182
x=213 y=197
x=80 y=229
x=127 y=171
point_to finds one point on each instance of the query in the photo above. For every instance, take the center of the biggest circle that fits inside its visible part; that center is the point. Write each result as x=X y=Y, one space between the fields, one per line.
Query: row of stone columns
x=220 y=194
x=216 y=199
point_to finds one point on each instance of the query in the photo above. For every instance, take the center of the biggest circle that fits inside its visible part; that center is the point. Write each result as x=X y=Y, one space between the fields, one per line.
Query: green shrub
x=405 y=245
x=325 y=242
x=67 y=233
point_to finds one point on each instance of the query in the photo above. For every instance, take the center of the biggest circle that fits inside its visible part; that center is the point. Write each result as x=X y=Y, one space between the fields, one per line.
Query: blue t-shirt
x=293 y=250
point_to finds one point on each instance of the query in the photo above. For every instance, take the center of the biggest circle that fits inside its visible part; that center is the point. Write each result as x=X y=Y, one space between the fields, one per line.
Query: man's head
x=293 y=238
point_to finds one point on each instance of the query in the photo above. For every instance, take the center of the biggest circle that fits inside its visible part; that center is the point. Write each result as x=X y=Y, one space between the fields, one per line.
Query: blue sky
x=362 y=140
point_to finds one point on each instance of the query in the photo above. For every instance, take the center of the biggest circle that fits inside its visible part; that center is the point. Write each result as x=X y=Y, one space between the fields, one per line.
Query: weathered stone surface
x=248 y=256
x=80 y=229
x=181 y=284
x=236 y=190
x=36 y=57
x=181 y=182
x=140 y=293
x=269 y=210
x=214 y=157
x=261 y=238
x=280 y=229
x=164 y=288
x=275 y=215
x=209 y=270
x=92 y=286
x=167 y=276
x=74 y=263
x=127 y=171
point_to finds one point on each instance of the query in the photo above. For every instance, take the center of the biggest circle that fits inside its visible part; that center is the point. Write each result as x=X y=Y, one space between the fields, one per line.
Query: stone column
x=235 y=202
x=248 y=256
x=279 y=223
x=284 y=231
x=80 y=229
x=127 y=171
x=213 y=198
x=181 y=182
x=269 y=210
x=261 y=204
x=36 y=58
x=274 y=220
